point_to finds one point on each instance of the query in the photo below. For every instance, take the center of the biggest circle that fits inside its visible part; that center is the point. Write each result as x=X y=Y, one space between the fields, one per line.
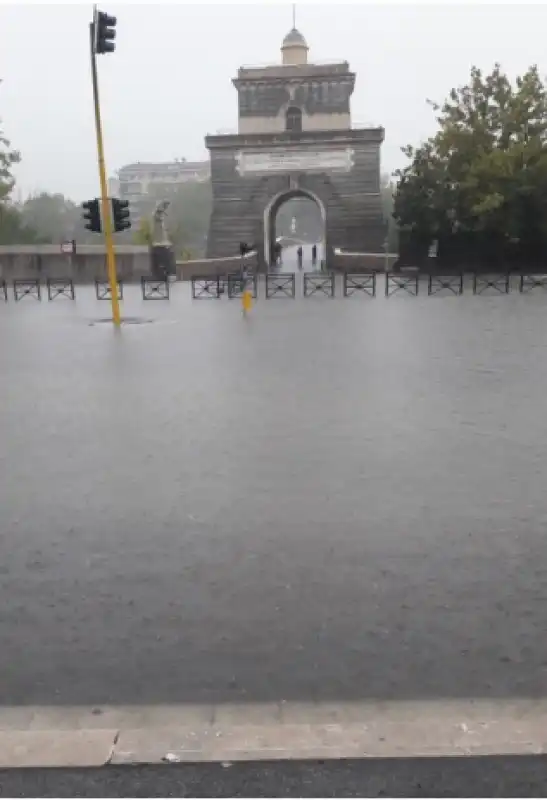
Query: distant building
x=144 y=183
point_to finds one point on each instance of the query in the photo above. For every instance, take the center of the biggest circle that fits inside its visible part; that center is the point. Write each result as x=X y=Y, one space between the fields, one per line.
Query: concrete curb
x=83 y=737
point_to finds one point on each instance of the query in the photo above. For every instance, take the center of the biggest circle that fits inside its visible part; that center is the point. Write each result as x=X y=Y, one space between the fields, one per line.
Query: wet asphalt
x=439 y=777
x=332 y=499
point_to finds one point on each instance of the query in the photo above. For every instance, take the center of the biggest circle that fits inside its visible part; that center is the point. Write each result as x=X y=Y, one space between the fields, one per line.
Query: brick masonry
x=351 y=200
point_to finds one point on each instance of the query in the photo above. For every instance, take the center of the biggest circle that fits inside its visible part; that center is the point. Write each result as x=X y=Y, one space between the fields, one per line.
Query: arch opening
x=295 y=219
x=293 y=119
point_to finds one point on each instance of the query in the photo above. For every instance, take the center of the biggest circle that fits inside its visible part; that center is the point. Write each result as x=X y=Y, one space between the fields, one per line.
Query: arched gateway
x=295 y=139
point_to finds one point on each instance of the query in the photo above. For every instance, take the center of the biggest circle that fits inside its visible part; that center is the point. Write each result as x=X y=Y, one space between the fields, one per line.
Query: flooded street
x=331 y=499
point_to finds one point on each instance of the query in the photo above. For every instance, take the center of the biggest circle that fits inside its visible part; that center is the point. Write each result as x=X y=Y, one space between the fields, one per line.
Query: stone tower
x=295 y=139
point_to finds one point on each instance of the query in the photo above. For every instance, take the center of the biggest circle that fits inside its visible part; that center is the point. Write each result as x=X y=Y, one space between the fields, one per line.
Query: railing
x=324 y=62
x=356 y=124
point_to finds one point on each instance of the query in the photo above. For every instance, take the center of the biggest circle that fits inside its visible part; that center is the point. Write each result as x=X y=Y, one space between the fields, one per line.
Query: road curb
x=77 y=748
x=80 y=737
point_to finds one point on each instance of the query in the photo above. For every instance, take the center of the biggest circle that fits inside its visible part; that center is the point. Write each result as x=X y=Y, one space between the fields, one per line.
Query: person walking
x=299 y=255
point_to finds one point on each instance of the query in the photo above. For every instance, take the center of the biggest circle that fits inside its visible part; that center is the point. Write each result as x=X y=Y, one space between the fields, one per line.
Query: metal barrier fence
x=439 y=283
x=364 y=282
x=237 y=285
x=60 y=287
x=206 y=287
x=102 y=290
x=284 y=284
x=319 y=283
x=154 y=288
x=27 y=288
x=528 y=283
x=280 y=284
x=500 y=282
x=396 y=282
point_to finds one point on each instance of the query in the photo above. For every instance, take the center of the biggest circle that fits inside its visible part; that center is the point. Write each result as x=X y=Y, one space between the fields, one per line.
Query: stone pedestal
x=162 y=260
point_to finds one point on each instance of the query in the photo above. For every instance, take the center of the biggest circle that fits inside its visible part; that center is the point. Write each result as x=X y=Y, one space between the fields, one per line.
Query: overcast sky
x=169 y=82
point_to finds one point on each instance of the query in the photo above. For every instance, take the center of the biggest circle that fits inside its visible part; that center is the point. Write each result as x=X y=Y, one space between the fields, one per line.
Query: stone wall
x=88 y=263
x=351 y=199
x=364 y=262
x=214 y=266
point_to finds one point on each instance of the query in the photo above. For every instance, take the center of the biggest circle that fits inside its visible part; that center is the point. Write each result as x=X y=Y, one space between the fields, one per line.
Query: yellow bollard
x=246 y=301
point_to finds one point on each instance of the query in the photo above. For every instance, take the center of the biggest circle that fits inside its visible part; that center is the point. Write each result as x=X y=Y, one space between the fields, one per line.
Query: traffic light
x=92 y=215
x=104 y=32
x=120 y=214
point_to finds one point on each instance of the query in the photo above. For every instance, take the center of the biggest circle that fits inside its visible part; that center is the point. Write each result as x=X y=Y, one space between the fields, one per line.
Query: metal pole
x=105 y=205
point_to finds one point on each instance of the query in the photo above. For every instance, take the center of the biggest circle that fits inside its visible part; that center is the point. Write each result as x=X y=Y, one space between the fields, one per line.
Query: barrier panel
x=438 y=283
x=530 y=282
x=498 y=281
x=280 y=284
x=60 y=287
x=102 y=290
x=319 y=283
x=27 y=288
x=206 y=288
x=237 y=284
x=360 y=282
x=396 y=282
x=154 y=288
x=4 y=290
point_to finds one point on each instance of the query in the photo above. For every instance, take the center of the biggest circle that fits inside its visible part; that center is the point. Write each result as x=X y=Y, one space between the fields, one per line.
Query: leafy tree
x=143 y=234
x=478 y=185
x=188 y=217
x=388 y=204
x=8 y=158
x=53 y=217
x=11 y=228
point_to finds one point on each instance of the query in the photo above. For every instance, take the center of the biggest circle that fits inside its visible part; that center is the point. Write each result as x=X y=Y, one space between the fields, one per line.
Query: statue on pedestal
x=159 y=230
x=163 y=257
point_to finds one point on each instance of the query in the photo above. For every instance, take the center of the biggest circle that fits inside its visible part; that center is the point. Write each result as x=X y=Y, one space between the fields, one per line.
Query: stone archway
x=273 y=207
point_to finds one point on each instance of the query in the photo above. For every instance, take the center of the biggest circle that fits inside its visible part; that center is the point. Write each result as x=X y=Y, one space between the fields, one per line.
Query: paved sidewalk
x=84 y=737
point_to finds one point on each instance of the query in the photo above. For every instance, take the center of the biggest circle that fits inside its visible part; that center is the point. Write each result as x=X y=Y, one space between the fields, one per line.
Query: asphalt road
x=329 y=500
x=441 y=777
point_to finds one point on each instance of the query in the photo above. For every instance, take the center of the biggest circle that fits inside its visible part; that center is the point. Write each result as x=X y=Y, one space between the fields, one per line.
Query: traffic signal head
x=121 y=214
x=104 y=33
x=92 y=215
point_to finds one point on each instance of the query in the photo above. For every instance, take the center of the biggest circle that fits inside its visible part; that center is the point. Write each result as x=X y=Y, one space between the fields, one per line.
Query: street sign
x=433 y=249
x=69 y=248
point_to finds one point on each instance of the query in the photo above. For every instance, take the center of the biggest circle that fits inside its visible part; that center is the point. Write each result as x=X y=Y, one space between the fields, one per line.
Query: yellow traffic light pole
x=105 y=205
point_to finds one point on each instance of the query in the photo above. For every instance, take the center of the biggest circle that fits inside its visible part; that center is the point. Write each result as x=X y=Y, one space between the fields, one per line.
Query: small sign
x=69 y=248
x=433 y=249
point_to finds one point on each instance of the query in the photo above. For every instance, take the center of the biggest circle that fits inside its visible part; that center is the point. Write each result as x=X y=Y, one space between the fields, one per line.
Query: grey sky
x=168 y=84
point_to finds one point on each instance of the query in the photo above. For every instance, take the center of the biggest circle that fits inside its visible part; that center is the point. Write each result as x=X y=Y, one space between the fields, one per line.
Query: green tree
x=478 y=185
x=188 y=217
x=8 y=158
x=388 y=188
x=143 y=234
x=12 y=228
x=53 y=217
